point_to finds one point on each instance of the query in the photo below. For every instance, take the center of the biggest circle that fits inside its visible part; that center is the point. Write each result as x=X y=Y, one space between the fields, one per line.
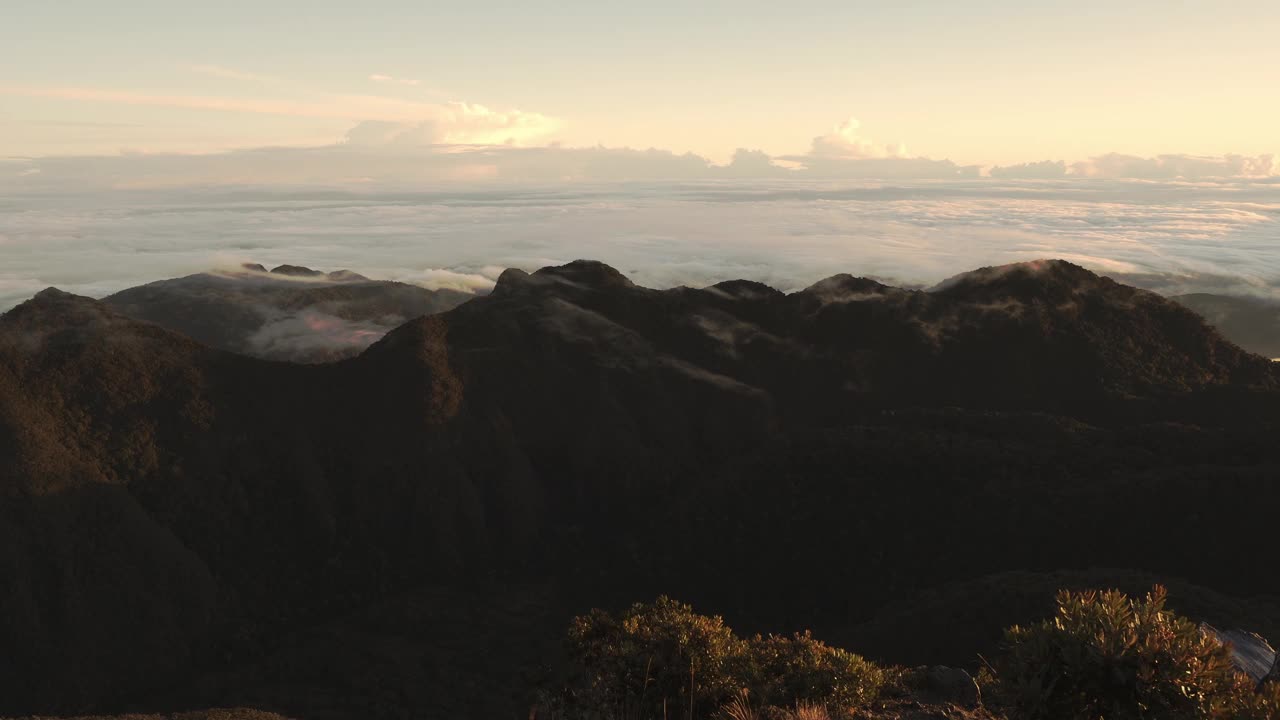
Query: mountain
x=407 y=532
x=289 y=313
x=1252 y=323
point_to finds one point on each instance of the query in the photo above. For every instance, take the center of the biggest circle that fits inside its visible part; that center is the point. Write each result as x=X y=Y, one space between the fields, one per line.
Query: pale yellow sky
x=989 y=82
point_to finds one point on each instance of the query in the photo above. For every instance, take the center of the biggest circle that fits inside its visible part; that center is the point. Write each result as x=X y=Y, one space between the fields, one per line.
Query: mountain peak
x=51 y=299
x=52 y=294
x=52 y=311
x=296 y=271
x=579 y=274
x=510 y=281
x=1032 y=279
x=845 y=284
x=346 y=276
x=745 y=290
x=586 y=273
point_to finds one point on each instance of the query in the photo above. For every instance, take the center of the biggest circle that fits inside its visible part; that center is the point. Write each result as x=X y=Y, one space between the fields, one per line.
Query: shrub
x=1106 y=655
x=663 y=660
x=798 y=670
x=653 y=656
x=1249 y=705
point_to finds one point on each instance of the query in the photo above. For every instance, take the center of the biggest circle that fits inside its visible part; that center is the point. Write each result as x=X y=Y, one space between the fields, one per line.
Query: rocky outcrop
x=942 y=684
x=1251 y=654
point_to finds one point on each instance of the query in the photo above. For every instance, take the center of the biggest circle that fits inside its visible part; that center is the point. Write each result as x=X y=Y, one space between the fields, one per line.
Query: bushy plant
x=1105 y=655
x=797 y=670
x=663 y=660
x=1249 y=705
x=654 y=656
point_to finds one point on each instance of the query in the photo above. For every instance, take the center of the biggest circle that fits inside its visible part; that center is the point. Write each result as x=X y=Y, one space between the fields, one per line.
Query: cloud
x=226 y=73
x=846 y=143
x=480 y=281
x=1045 y=169
x=753 y=163
x=313 y=335
x=885 y=168
x=845 y=154
x=460 y=122
x=455 y=123
x=786 y=232
x=320 y=109
x=388 y=79
x=15 y=289
x=1167 y=167
x=1160 y=167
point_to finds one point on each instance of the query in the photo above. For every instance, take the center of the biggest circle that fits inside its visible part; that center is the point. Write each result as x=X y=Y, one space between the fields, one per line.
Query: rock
x=944 y=684
x=1250 y=653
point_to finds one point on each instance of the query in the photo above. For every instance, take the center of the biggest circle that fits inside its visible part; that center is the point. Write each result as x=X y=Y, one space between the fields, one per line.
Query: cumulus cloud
x=846 y=142
x=455 y=123
x=845 y=153
x=754 y=164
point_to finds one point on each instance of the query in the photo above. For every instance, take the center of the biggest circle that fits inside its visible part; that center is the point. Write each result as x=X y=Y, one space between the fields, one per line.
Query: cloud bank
x=449 y=194
x=1161 y=167
x=788 y=233
x=465 y=142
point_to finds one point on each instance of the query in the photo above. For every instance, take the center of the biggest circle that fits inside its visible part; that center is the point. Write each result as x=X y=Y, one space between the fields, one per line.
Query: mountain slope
x=1253 y=323
x=189 y=527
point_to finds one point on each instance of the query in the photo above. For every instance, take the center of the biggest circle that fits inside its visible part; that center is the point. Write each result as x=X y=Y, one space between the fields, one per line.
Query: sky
x=684 y=142
x=977 y=83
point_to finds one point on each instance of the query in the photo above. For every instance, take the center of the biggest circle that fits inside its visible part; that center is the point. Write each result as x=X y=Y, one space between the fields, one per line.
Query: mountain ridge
x=176 y=514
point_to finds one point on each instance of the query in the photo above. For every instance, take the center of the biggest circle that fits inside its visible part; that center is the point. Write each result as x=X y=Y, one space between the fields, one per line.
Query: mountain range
x=405 y=532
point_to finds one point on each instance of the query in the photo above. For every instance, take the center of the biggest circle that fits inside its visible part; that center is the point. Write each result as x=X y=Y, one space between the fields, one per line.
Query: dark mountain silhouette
x=290 y=313
x=405 y=533
x=1252 y=323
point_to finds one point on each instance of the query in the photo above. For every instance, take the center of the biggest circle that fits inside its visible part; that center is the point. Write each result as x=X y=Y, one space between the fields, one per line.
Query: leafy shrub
x=1249 y=705
x=664 y=660
x=1106 y=655
x=797 y=670
x=654 y=656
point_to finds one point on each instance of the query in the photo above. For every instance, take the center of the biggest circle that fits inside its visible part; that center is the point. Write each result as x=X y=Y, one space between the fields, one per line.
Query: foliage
x=1106 y=655
x=664 y=660
x=790 y=671
x=654 y=656
x=1261 y=705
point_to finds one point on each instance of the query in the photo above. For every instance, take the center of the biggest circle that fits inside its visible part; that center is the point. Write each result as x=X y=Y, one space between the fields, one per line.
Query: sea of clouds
x=1170 y=236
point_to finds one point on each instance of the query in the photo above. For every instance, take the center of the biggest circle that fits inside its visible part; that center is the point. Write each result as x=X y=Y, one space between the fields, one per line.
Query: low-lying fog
x=1169 y=236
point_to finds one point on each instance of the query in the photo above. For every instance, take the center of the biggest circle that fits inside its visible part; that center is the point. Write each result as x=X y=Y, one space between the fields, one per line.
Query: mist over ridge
x=1170 y=236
